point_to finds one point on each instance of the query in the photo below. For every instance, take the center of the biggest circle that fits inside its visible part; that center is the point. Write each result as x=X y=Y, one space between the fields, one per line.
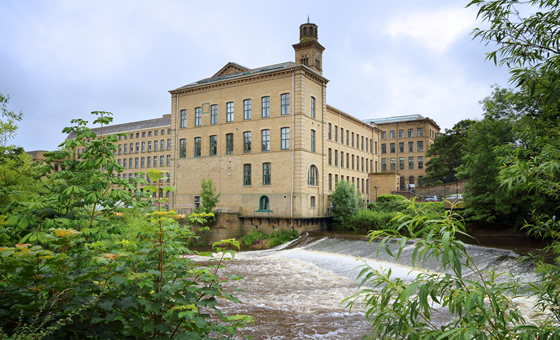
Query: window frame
x=265 y=140
x=183 y=119
x=247 y=104
x=266 y=173
x=198 y=116
x=247 y=142
x=265 y=106
x=214 y=114
x=285 y=138
x=285 y=104
x=230 y=112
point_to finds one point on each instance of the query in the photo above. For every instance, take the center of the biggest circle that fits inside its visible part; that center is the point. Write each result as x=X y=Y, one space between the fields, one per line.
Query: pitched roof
x=132 y=126
x=233 y=70
x=395 y=119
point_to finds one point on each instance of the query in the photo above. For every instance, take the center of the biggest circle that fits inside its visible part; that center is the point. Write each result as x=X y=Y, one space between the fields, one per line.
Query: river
x=296 y=291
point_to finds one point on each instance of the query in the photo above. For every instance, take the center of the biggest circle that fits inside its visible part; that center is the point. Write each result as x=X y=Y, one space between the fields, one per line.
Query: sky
x=62 y=59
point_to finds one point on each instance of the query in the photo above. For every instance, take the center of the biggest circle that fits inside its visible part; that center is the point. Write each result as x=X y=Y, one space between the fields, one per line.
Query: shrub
x=366 y=220
x=272 y=240
x=390 y=203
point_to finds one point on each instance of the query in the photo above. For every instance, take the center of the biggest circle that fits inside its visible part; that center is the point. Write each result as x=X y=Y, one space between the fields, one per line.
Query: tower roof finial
x=308 y=18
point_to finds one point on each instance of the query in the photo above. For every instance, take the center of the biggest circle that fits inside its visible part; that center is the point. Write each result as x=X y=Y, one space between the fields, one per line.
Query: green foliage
x=366 y=220
x=90 y=262
x=346 y=202
x=390 y=203
x=447 y=152
x=474 y=303
x=8 y=123
x=208 y=193
x=272 y=240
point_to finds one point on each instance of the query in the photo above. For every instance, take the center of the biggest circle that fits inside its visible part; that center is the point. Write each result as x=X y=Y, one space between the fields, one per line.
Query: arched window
x=264 y=203
x=304 y=60
x=401 y=184
x=310 y=30
x=312 y=202
x=305 y=31
x=313 y=176
x=411 y=180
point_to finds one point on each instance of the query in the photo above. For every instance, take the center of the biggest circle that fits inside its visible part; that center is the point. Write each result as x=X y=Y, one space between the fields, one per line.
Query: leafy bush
x=366 y=220
x=393 y=203
x=345 y=203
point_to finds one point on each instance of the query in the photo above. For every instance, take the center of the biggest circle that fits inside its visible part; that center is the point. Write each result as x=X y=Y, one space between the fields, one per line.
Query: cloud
x=434 y=29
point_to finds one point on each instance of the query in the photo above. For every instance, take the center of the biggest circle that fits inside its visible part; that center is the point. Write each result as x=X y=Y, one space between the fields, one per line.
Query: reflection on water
x=297 y=293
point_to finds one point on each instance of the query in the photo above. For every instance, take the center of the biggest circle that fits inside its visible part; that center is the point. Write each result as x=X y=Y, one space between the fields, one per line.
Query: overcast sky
x=62 y=59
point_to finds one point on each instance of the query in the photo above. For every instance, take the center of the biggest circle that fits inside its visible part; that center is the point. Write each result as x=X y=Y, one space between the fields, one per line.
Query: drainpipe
x=174 y=195
x=293 y=134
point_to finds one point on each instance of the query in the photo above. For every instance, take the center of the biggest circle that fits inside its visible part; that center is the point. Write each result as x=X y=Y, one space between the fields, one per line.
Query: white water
x=297 y=293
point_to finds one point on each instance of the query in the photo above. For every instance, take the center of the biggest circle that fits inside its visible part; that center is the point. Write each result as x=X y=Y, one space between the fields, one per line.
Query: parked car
x=434 y=198
x=455 y=197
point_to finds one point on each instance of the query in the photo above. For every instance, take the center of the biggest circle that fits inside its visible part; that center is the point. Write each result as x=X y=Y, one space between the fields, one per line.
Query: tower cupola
x=308 y=51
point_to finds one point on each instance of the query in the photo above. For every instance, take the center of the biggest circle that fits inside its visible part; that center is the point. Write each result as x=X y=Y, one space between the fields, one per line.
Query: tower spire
x=308 y=51
x=308 y=18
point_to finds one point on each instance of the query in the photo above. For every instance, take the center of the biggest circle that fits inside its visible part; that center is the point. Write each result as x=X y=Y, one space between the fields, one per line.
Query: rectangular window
x=312 y=107
x=155 y=161
x=383 y=148
x=149 y=164
x=419 y=132
x=168 y=160
x=401 y=133
x=197 y=116
x=410 y=132
x=335 y=157
x=229 y=112
x=285 y=138
x=341 y=159
x=247 y=109
x=392 y=147
x=383 y=134
x=401 y=163
x=214 y=114
x=410 y=146
x=183 y=123
x=352 y=162
x=162 y=132
x=265 y=107
x=131 y=147
x=156 y=145
x=161 y=161
x=142 y=162
x=375 y=146
x=124 y=163
x=156 y=132
x=266 y=174
x=312 y=140
x=329 y=131
x=197 y=147
x=367 y=165
x=330 y=182
x=285 y=104
x=182 y=148
x=367 y=144
x=265 y=140
x=335 y=180
x=229 y=143
x=143 y=146
x=347 y=160
x=246 y=174
x=336 y=133
x=118 y=161
x=330 y=156
x=213 y=145
x=347 y=137
x=120 y=148
x=410 y=163
x=162 y=145
x=352 y=139
x=169 y=144
x=247 y=141
x=420 y=162
x=130 y=163
x=363 y=143
x=420 y=146
x=401 y=147
x=137 y=147
x=393 y=168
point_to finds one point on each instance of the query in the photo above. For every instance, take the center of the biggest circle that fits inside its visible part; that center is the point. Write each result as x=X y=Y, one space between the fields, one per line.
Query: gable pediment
x=230 y=68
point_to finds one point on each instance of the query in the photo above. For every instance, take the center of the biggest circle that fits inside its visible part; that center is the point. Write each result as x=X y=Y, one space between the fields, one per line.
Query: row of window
x=353 y=140
x=145 y=162
x=364 y=187
x=393 y=166
x=419 y=147
x=135 y=147
x=137 y=134
x=410 y=133
x=247 y=110
x=247 y=143
x=312 y=176
x=167 y=176
x=352 y=162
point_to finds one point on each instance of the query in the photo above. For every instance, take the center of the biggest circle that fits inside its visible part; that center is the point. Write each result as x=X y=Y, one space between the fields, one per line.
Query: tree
x=8 y=123
x=346 y=202
x=447 y=152
x=208 y=193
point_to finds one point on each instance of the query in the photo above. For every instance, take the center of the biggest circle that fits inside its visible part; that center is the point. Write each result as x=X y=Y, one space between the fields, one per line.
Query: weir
x=295 y=291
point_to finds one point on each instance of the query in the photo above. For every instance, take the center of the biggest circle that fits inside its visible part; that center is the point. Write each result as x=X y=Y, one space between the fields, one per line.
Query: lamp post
x=376 y=187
